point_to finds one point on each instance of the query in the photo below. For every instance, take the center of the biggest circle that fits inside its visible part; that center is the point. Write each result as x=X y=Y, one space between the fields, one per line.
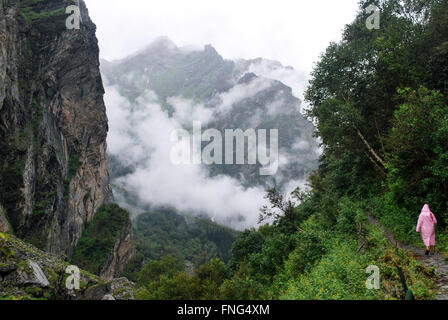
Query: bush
x=309 y=249
x=339 y=275
x=154 y=269
x=247 y=242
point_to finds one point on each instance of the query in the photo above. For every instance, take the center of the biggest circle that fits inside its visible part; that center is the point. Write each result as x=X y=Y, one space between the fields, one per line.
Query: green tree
x=419 y=153
x=210 y=277
x=154 y=269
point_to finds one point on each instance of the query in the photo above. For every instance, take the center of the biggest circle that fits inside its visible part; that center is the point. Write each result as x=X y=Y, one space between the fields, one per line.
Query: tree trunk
x=371 y=150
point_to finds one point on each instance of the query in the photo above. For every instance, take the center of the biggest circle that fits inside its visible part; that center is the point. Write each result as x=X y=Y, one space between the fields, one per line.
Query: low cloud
x=185 y=112
x=140 y=137
x=240 y=92
x=269 y=69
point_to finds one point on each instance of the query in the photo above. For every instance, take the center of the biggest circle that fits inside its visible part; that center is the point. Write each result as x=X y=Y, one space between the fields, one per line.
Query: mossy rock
x=34 y=291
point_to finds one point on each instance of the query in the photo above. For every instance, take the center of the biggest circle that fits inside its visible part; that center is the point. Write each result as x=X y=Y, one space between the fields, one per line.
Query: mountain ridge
x=223 y=93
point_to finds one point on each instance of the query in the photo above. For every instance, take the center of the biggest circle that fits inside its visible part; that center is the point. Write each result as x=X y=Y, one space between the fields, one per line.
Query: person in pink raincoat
x=425 y=225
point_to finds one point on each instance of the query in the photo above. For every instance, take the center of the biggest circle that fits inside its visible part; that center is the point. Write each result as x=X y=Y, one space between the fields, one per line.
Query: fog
x=289 y=31
x=140 y=136
x=293 y=32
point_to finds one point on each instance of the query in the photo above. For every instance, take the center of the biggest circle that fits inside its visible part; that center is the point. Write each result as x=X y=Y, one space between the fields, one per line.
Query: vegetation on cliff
x=27 y=273
x=99 y=238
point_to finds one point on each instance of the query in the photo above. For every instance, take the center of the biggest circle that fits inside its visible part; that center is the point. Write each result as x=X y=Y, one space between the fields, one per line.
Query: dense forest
x=193 y=240
x=378 y=99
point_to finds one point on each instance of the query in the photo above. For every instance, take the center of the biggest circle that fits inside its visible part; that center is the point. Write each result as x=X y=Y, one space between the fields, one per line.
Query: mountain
x=199 y=85
x=53 y=128
x=170 y=71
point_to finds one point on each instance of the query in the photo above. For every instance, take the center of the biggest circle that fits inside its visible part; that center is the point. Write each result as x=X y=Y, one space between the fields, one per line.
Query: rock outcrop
x=4 y=223
x=107 y=244
x=53 y=126
x=122 y=253
x=28 y=273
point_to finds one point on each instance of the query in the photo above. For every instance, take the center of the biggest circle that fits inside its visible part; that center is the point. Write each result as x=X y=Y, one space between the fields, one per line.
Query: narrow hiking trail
x=437 y=260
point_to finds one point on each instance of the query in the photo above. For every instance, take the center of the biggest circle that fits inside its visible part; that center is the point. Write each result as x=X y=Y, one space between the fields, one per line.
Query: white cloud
x=140 y=135
x=294 y=79
x=240 y=92
x=185 y=111
x=290 y=31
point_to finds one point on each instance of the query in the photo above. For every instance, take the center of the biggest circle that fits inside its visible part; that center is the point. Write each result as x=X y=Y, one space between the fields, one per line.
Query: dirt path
x=437 y=261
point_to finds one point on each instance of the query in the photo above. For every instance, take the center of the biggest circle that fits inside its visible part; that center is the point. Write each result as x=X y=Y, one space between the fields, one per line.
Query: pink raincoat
x=426 y=222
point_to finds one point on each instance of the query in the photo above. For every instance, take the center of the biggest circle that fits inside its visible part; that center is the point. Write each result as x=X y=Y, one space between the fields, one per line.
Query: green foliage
x=153 y=270
x=132 y=268
x=350 y=216
x=162 y=232
x=34 y=291
x=98 y=239
x=243 y=287
x=339 y=272
x=44 y=17
x=177 y=287
x=5 y=251
x=72 y=167
x=246 y=242
x=419 y=152
x=264 y=264
x=166 y=279
x=313 y=263
x=211 y=276
x=309 y=249
x=380 y=104
x=339 y=275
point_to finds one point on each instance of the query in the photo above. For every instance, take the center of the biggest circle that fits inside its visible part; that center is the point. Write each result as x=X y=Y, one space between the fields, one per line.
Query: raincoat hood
x=426 y=209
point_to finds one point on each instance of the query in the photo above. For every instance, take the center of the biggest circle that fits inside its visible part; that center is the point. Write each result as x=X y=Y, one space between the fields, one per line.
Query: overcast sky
x=293 y=32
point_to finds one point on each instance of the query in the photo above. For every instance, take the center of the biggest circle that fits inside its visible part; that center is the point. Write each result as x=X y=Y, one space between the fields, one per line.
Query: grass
x=402 y=225
x=30 y=15
x=340 y=274
x=37 y=14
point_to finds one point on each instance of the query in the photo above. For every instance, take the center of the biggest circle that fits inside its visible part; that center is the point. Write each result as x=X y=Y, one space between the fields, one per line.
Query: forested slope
x=379 y=101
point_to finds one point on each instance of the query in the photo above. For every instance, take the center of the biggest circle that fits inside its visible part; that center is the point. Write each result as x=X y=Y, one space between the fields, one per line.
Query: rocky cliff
x=29 y=273
x=107 y=244
x=53 y=124
x=122 y=253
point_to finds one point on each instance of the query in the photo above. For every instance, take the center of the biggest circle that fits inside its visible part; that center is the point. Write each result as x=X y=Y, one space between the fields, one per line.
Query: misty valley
x=139 y=166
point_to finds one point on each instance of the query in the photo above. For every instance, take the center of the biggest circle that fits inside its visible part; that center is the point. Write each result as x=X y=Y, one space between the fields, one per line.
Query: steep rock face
x=4 y=223
x=122 y=253
x=53 y=124
x=107 y=244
